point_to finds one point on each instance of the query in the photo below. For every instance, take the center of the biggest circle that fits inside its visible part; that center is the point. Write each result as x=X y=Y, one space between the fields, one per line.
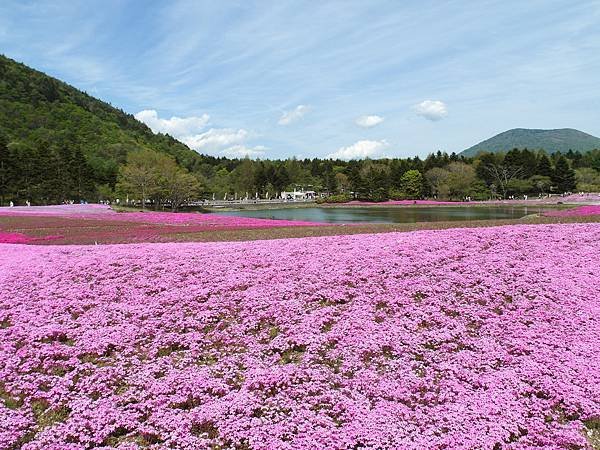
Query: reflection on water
x=398 y=214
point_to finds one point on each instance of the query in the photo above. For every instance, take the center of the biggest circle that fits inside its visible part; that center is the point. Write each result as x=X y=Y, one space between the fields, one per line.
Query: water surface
x=397 y=214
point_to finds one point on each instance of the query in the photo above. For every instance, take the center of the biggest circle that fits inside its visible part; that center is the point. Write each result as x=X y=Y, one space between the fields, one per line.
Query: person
x=28 y=203
x=11 y=204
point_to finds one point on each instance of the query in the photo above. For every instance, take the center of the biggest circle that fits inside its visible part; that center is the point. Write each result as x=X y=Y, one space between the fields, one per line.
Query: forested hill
x=41 y=116
x=551 y=141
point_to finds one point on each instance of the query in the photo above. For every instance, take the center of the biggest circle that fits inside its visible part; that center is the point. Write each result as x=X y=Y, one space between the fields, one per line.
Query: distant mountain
x=561 y=140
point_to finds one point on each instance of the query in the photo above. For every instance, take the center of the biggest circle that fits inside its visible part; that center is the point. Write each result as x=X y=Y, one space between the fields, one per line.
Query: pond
x=397 y=214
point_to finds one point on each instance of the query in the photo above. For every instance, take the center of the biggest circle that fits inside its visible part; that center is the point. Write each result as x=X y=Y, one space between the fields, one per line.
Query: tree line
x=52 y=173
x=441 y=175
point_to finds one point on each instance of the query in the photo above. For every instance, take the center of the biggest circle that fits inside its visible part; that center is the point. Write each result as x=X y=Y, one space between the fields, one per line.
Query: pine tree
x=483 y=169
x=398 y=167
x=281 y=179
x=355 y=179
x=65 y=174
x=81 y=176
x=544 y=166
x=563 y=177
x=529 y=163
x=513 y=159
x=5 y=173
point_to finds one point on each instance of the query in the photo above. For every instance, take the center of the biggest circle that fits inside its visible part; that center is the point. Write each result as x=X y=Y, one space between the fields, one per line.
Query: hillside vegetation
x=47 y=123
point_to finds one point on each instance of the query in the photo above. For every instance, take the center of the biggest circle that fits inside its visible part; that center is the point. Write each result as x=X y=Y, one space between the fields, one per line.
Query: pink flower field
x=465 y=338
x=104 y=212
x=13 y=238
x=89 y=224
x=20 y=238
x=588 y=210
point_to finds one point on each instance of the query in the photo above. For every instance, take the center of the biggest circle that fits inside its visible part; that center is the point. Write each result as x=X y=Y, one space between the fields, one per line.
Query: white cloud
x=222 y=141
x=215 y=139
x=241 y=151
x=431 y=110
x=292 y=116
x=368 y=121
x=177 y=127
x=359 y=150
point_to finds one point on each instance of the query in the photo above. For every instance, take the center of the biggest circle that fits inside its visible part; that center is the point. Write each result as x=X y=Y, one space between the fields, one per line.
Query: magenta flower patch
x=465 y=338
x=587 y=210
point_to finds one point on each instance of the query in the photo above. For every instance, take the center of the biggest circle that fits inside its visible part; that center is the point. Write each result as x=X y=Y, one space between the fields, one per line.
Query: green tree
x=563 y=176
x=355 y=179
x=529 y=163
x=513 y=159
x=81 y=176
x=484 y=166
x=281 y=179
x=544 y=166
x=140 y=176
x=105 y=193
x=501 y=175
x=260 y=177
x=5 y=165
x=588 y=179
x=342 y=182
x=178 y=185
x=519 y=186
x=154 y=176
x=411 y=184
x=328 y=177
x=29 y=164
x=460 y=179
x=219 y=183
x=541 y=183
x=375 y=180
x=398 y=167
x=437 y=178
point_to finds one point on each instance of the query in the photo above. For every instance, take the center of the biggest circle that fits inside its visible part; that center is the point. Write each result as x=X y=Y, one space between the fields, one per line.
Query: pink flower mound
x=13 y=238
x=586 y=197
x=105 y=212
x=589 y=210
x=57 y=210
x=210 y=220
x=463 y=338
x=19 y=238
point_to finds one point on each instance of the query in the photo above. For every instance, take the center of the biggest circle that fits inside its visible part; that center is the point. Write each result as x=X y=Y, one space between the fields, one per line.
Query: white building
x=298 y=195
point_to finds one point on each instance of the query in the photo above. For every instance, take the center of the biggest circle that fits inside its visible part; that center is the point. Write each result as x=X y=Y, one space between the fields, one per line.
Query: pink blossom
x=465 y=338
x=105 y=212
x=588 y=210
x=13 y=238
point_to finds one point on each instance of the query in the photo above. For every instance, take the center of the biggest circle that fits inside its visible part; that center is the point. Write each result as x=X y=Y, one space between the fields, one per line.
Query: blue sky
x=342 y=78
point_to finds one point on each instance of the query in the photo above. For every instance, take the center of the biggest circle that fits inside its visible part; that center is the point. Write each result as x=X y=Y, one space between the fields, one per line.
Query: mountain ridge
x=551 y=140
